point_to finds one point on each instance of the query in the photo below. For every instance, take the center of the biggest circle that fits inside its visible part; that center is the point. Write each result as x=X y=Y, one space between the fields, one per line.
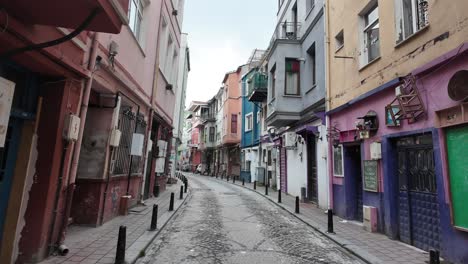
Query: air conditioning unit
x=370 y=218
x=289 y=140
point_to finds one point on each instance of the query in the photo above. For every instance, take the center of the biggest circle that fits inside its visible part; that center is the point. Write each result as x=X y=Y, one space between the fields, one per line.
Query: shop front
x=399 y=156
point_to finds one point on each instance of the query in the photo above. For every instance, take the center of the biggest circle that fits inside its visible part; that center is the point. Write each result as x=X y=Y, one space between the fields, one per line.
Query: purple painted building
x=398 y=149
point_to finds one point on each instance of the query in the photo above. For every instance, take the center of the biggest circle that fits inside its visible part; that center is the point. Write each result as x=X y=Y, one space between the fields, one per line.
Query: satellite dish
x=458 y=86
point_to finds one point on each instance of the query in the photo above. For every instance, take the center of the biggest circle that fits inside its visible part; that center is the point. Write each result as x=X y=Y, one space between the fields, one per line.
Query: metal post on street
x=330 y=221
x=243 y=181
x=154 y=218
x=171 y=202
x=266 y=189
x=279 y=196
x=434 y=257
x=255 y=185
x=181 y=192
x=186 y=186
x=227 y=178
x=120 y=253
x=233 y=179
x=297 y=204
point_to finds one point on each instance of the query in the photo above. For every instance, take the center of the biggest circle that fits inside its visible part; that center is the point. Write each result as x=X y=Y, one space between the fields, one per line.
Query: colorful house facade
x=251 y=127
x=296 y=100
x=43 y=89
x=396 y=126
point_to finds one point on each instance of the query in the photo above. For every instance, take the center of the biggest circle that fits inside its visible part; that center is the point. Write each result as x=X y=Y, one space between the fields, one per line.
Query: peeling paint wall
x=95 y=141
x=448 y=28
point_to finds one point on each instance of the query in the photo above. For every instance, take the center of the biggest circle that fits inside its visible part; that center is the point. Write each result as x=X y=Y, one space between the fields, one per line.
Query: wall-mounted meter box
x=115 y=137
x=376 y=150
x=71 y=127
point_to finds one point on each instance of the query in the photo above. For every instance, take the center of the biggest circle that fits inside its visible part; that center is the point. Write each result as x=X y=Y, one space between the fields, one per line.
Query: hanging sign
x=137 y=145
x=370 y=177
x=7 y=89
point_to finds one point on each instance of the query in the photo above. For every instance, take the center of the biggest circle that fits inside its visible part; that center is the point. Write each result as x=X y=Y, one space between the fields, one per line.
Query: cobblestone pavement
x=224 y=224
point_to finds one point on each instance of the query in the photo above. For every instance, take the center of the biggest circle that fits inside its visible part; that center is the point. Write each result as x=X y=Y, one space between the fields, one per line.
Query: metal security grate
x=121 y=155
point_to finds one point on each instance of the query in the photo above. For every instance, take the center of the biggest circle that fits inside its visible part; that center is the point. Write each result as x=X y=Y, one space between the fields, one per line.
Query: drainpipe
x=62 y=250
x=328 y=102
x=115 y=120
x=77 y=149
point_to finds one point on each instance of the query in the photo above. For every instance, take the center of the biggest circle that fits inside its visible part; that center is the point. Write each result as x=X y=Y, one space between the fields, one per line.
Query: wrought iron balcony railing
x=257 y=87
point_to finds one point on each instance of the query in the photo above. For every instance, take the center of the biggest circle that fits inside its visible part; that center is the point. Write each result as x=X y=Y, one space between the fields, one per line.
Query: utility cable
x=55 y=42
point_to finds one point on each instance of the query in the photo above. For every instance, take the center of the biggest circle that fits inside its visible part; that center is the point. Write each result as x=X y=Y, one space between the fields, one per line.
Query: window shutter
x=292 y=66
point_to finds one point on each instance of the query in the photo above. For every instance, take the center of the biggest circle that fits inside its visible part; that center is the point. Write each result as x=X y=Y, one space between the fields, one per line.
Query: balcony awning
x=70 y=13
x=307 y=129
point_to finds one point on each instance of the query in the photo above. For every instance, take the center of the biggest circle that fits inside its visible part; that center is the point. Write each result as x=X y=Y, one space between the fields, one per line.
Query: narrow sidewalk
x=371 y=247
x=90 y=245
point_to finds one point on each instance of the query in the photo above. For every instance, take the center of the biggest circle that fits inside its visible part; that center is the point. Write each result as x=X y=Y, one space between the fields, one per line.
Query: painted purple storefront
x=432 y=81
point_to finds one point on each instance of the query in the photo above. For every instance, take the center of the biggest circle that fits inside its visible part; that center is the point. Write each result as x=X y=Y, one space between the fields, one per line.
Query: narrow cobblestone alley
x=221 y=224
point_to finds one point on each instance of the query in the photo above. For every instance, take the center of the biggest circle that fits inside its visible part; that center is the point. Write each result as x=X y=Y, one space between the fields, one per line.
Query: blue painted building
x=251 y=116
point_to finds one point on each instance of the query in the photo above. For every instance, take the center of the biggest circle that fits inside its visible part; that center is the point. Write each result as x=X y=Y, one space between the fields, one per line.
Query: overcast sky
x=221 y=36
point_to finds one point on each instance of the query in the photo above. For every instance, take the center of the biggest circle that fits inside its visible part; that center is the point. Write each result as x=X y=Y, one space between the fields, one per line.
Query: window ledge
x=369 y=63
x=292 y=96
x=313 y=87
x=339 y=48
x=137 y=42
x=408 y=39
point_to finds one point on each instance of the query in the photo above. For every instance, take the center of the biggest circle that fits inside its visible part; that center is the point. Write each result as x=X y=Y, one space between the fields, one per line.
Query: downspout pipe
x=77 y=149
x=328 y=104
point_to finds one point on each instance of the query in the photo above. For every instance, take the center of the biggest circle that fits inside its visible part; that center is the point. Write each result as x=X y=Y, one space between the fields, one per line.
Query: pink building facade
x=110 y=77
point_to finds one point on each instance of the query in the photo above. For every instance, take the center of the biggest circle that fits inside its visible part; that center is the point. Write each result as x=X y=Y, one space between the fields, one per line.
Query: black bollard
x=227 y=178
x=266 y=189
x=434 y=257
x=255 y=185
x=233 y=179
x=171 y=202
x=154 y=218
x=216 y=176
x=297 y=204
x=185 y=189
x=330 y=221
x=243 y=181
x=181 y=192
x=279 y=196
x=120 y=253
x=156 y=191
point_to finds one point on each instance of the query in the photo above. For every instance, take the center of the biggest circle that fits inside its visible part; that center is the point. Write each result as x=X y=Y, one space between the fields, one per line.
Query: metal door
x=312 y=194
x=8 y=156
x=359 y=208
x=418 y=207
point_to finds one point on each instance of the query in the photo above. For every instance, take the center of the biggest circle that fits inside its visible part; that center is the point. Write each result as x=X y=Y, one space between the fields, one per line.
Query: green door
x=457 y=152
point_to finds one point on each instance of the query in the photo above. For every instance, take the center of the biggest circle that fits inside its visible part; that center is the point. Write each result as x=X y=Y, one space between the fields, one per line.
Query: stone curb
x=361 y=254
x=145 y=240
